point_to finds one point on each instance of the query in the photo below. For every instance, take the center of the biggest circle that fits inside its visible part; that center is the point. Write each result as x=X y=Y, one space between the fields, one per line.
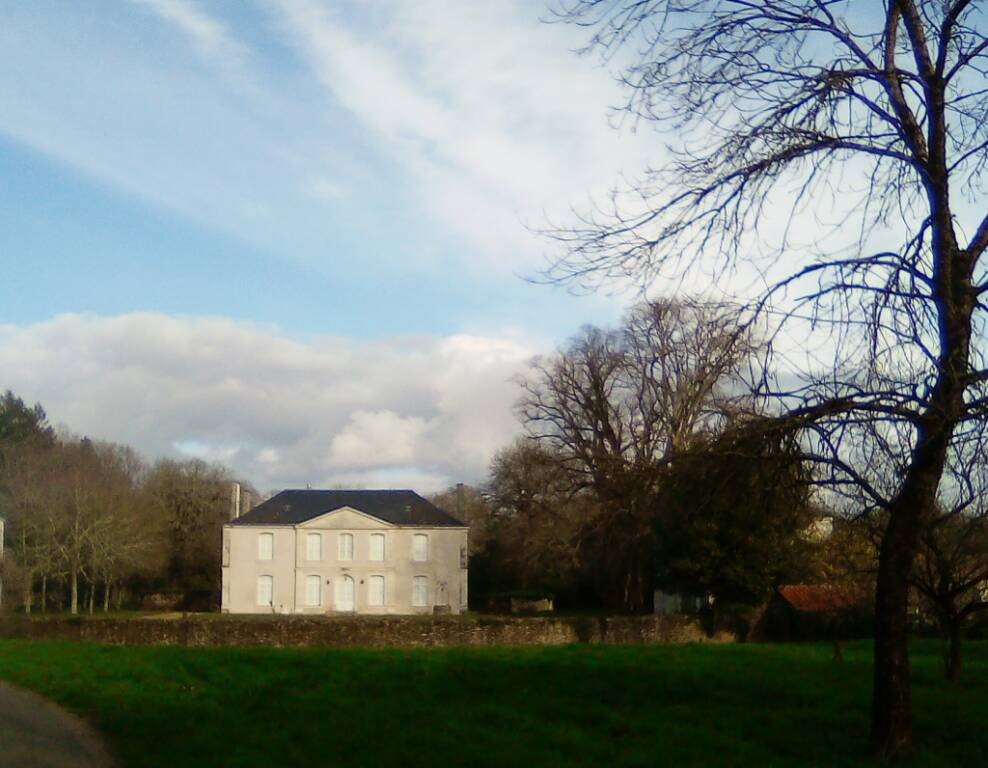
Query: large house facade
x=365 y=552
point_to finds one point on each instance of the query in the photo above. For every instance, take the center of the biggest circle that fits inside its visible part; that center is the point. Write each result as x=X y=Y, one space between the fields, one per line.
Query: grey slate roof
x=395 y=507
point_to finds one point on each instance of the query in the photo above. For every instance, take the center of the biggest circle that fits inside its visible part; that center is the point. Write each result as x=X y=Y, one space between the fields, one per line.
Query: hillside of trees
x=92 y=525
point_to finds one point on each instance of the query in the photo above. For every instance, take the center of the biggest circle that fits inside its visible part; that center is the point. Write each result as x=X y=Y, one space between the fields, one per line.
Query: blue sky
x=200 y=196
x=313 y=165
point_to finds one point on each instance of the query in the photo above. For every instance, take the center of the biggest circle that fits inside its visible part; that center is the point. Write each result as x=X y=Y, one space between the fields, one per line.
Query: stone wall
x=214 y=630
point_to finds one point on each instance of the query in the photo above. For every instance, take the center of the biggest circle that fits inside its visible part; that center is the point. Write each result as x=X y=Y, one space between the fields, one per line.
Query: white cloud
x=487 y=110
x=211 y=37
x=420 y=411
x=376 y=438
x=326 y=190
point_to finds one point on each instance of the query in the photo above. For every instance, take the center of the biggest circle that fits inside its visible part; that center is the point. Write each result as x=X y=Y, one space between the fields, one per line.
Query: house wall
x=290 y=566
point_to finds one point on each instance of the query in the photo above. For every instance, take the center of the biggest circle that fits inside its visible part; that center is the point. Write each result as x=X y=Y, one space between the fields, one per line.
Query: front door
x=344 y=594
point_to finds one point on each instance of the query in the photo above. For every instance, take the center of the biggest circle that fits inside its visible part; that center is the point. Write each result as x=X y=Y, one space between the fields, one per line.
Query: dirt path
x=35 y=733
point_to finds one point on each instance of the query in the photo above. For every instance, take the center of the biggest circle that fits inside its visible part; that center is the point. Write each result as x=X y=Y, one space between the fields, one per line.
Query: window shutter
x=420 y=547
x=420 y=591
x=265 y=590
x=265 y=546
x=375 y=591
x=313 y=588
x=346 y=546
x=377 y=547
x=313 y=546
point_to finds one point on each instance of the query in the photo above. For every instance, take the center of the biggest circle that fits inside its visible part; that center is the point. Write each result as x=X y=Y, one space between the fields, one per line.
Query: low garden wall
x=214 y=630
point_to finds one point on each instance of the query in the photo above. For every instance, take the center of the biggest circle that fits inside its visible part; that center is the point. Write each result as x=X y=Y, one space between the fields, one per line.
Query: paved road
x=34 y=733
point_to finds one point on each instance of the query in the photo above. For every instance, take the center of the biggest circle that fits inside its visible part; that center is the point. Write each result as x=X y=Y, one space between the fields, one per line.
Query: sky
x=293 y=236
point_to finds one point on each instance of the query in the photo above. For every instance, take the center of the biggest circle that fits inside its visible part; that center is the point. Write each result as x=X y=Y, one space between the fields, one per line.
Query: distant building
x=366 y=552
x=670 y=603
x=814 y=612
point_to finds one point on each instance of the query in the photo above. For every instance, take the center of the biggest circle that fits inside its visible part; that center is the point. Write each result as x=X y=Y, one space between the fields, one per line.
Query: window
x=346 y=546
x=377 y=547
x=463 y=557
x=226 y=548
x=313 y=546
x=265 y=546
x=420 y=548
x=375 y=590
x=265 y=590
x=420 y=591
x=313 y=590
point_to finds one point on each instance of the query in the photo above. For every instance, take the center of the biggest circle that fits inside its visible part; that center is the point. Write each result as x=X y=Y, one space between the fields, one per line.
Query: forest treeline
x=92 y=525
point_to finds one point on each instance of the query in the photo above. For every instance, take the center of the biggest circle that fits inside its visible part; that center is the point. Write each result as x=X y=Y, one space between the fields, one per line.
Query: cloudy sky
x=290 y=235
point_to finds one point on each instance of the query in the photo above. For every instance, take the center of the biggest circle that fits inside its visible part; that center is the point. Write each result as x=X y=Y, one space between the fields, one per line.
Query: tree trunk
x=28 y=595
x=954 y=660
x=74 y=604
x=92 y=596
x=106 y=596
x=891 y=712
x=44 y=593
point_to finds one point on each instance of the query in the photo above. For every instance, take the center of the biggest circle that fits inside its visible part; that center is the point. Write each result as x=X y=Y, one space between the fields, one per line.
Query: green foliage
x=683 y=706
x=20 y=423
x=732 y=517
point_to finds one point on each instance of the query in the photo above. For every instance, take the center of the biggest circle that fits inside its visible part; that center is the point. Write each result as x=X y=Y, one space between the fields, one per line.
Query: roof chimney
x=235 y=501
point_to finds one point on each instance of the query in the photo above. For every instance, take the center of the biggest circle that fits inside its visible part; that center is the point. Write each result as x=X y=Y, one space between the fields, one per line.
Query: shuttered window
x=346 y=546
x=377 y=547
x=313 y=546
x=375 y=590
x=265 y=590
x=313 y=590
x=265 y=546
x=420 y=548
x=420 y=591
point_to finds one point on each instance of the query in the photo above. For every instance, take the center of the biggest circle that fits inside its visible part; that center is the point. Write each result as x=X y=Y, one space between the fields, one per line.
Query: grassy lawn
x=681 y=706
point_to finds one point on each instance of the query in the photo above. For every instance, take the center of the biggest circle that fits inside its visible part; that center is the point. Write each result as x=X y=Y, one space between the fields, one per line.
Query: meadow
x=687 y=705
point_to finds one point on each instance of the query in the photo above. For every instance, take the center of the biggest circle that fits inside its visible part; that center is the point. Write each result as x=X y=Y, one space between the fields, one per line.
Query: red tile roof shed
x=819 y=598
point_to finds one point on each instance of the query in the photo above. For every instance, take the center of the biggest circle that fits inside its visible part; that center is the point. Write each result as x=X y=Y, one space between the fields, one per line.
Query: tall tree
x=873 y=120
x=191 y=501
x=734 y=517
x=615 y=405
x=26 y=443
x=537 y=519
x=21 y=423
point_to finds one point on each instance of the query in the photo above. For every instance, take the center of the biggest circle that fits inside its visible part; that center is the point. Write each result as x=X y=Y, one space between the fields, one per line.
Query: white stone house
x=365 y=552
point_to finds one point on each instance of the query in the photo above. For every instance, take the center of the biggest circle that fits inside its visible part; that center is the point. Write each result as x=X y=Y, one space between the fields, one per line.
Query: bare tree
x=190 y=503
x=951 y=575
x=537 y=520
x=615 y=405
x=951 y=572
x=867 y=119
x=123 y=541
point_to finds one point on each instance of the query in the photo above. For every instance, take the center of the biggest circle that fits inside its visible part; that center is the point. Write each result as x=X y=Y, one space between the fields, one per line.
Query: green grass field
x=733 y=705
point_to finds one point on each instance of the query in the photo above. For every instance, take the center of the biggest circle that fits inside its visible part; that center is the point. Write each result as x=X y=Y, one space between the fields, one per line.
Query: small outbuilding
x=812 y=612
